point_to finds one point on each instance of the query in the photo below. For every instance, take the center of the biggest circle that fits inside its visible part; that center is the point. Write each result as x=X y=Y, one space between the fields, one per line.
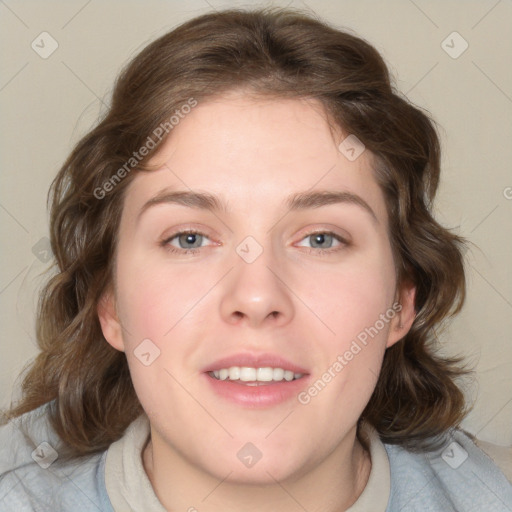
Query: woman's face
x=290 y=271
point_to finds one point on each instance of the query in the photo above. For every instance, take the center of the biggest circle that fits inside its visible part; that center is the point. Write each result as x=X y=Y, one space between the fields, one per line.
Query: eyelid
x=184 y=229
x=341 y=240
x=169 y=235
x=338 y=233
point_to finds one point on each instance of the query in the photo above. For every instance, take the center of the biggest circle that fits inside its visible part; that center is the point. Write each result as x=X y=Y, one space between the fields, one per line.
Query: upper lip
x=254 y=361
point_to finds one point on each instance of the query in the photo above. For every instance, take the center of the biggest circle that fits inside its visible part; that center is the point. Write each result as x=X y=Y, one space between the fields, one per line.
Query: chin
x=265 y=471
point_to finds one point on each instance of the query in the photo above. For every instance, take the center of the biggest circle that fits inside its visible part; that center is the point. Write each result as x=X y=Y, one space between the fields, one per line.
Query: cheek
x=153 y=298
x=356 y=303
x=156 y=307
x=161 y=303
x=352 y=296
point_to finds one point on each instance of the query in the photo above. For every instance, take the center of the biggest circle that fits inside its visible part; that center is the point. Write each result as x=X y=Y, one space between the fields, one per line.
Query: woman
x=249 y=276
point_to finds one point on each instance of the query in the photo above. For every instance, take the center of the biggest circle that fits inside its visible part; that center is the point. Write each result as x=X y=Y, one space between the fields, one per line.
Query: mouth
x=256 y=380
x=251 y=376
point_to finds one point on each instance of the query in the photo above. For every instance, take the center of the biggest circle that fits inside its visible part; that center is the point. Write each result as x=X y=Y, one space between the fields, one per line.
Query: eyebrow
x=319 y=198
x=295 y=202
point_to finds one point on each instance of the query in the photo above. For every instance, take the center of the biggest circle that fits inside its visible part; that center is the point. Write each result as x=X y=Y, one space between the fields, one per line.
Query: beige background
x=48 y=104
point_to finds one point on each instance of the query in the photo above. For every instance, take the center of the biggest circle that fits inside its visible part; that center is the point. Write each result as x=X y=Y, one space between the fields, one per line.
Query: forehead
x=256 y=151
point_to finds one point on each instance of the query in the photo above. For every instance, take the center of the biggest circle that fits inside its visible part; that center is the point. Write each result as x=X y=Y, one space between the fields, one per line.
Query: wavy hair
x=280 y=53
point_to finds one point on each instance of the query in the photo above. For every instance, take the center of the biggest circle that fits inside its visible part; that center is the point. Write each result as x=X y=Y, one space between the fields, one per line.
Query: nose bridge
x=256 y=292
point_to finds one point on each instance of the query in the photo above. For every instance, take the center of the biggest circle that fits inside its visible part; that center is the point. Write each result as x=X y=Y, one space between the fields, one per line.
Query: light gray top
x=459 y=477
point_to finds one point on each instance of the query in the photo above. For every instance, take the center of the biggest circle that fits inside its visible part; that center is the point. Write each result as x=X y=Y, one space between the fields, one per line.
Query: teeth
x=234 y=373
x=247 y=374
x=278 y=374
x=265 y=374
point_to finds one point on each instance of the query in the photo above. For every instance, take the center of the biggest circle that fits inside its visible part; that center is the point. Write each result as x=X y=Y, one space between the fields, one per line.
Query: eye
x=184 y=242
x=324 y=242
x=191 y=241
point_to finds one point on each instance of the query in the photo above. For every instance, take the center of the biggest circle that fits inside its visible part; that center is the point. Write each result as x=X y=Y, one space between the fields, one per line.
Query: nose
x=257 y=294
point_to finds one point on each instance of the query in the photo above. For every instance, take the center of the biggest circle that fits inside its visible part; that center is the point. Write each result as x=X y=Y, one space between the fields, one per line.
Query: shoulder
x=34 y=477
x=501 y=455
x=456 y=477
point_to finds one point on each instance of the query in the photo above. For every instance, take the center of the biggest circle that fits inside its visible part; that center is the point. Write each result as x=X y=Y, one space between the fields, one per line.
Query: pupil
x=189 y=238
x=321 y=239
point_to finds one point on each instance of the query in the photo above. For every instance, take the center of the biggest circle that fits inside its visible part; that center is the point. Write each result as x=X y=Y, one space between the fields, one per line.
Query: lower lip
x=263 y=395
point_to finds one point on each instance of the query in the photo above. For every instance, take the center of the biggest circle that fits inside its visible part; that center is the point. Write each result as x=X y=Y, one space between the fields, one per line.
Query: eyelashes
x=196 y=237
x=320 y=237
x=188 y=234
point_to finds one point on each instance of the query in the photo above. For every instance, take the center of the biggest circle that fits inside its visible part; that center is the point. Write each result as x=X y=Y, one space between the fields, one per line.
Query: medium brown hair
x=280 y=53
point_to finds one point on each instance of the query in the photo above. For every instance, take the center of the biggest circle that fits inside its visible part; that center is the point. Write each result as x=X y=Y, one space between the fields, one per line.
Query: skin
x=292 y=300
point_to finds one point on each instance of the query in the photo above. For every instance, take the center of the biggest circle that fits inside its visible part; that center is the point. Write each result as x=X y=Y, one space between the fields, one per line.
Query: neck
x=332 y=486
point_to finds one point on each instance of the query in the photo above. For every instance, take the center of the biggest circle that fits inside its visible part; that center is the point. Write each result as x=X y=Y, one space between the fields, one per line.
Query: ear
x=406 y=313
x=110 y=324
